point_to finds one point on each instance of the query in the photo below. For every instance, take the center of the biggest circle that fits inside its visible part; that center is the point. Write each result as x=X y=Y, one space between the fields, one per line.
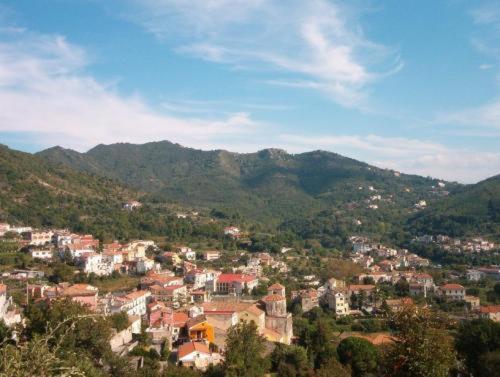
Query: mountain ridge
x=270 y=183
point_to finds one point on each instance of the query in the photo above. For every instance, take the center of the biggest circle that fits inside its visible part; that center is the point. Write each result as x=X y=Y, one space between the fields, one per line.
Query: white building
x=95 y=263
x=40 y=238
x=45 y=254
x=338 y=302
x=134 y=303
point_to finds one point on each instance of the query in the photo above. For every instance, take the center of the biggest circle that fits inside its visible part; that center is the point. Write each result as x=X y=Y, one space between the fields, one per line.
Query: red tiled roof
x=272 y=298
x=451 y=286
x=240 y=278
x=490 y=309
x=276 y=286
x=188 y=348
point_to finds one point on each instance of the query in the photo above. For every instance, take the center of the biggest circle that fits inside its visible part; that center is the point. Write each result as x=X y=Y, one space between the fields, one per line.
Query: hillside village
x=185 y=300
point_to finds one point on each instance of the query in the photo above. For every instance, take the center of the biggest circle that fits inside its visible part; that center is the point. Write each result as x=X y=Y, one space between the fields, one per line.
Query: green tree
x=360 y=355
x=244 y=351
x=333 y=368
x=290 y=361
x=421 y=347
x=478 y=342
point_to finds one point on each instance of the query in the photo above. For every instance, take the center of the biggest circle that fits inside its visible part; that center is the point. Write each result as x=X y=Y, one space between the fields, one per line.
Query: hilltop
x=270 y=185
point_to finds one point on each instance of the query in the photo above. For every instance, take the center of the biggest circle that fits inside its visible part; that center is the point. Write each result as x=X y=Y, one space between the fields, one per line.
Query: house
x=338 y=302
x=199 y=278
x=187 y=252
x=197 y=355
x=358 y=288
x=490 y=312
x=199 y=329
x=210 y=255
x=133 y=303
x=424 y=279
x=475 y=275
x=163 y=279
x=176 y=295
x=44 y=254
x=133 y=204
x=232 y=231
x=8 y=313
x=453 y=292
x=94 y=263
x=418 y=289
x=398 y=303
x=39 y=238
x=84 y=294
x=122 y=342
x=308 y=298
x=473 y=301
x=235 y=283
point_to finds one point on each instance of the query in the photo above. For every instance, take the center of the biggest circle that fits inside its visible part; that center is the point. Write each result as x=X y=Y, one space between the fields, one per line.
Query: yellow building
x=199 y=329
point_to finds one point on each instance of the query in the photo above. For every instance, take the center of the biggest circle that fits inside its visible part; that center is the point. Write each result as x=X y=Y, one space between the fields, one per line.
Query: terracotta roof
x=188 y=348
x=136 y=294
x=272 y=298
x=451 y=286
x=361 y=287
x=240 y=278
x=3 y=288
x=225 y=307
x=276 y=286
x=490 y=309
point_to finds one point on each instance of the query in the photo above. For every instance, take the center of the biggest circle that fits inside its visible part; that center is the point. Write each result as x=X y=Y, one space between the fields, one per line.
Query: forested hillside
x=37 y=193
x=473 y=210
x=270 y=185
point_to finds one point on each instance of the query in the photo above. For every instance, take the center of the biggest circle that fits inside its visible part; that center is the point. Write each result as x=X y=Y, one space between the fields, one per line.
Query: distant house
x=196 y=355
x=133 y=303
x=211 y=255
x=133 y=204
x=44 y=254
x=453 y=292
x=338 y=302
x=490 y=312
x=232 y=231
x=474 y=275
x=473 y=301
x=235 y=283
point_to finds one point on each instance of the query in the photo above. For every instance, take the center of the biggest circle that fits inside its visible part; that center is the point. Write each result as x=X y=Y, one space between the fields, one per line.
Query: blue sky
x=407 y=85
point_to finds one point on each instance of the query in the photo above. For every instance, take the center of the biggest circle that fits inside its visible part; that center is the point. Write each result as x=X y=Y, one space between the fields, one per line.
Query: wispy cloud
x=44 y=90
x=485 y=116
x=320 y=43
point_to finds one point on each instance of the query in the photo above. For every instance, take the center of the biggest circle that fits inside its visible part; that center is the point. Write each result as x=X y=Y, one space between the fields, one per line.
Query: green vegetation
x=473 y=210
x=269 y=186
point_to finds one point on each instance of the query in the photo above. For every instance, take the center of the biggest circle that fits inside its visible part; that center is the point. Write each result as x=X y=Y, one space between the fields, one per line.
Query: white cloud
x=403 y=154
x=44 y=91
x=318 y=42
x=487 y=116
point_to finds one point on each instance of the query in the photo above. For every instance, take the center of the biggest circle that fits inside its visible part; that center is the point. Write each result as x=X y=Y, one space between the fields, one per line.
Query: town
x=185 y=300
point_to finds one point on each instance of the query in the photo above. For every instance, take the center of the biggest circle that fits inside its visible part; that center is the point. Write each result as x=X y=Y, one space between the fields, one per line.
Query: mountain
x=472 y=210
x=270 y=185
x=35 y=192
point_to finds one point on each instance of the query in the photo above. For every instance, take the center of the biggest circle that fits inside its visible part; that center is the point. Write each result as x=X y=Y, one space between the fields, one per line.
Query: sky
x=411 y=85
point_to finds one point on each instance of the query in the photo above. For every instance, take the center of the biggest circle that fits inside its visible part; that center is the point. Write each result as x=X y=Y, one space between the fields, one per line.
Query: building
x=84 y=294
x=196 y=355
x=211 y=255
x=473 y=301
x=44 y=254
x=308 y=298
x=490 y=312
x=95 y=264
x=133 y=303
x=40 y=238
x=453 y=292
x=199 y=278
x=338 y=302
x=474 y=275
x=235 y=283
x=232 y=231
